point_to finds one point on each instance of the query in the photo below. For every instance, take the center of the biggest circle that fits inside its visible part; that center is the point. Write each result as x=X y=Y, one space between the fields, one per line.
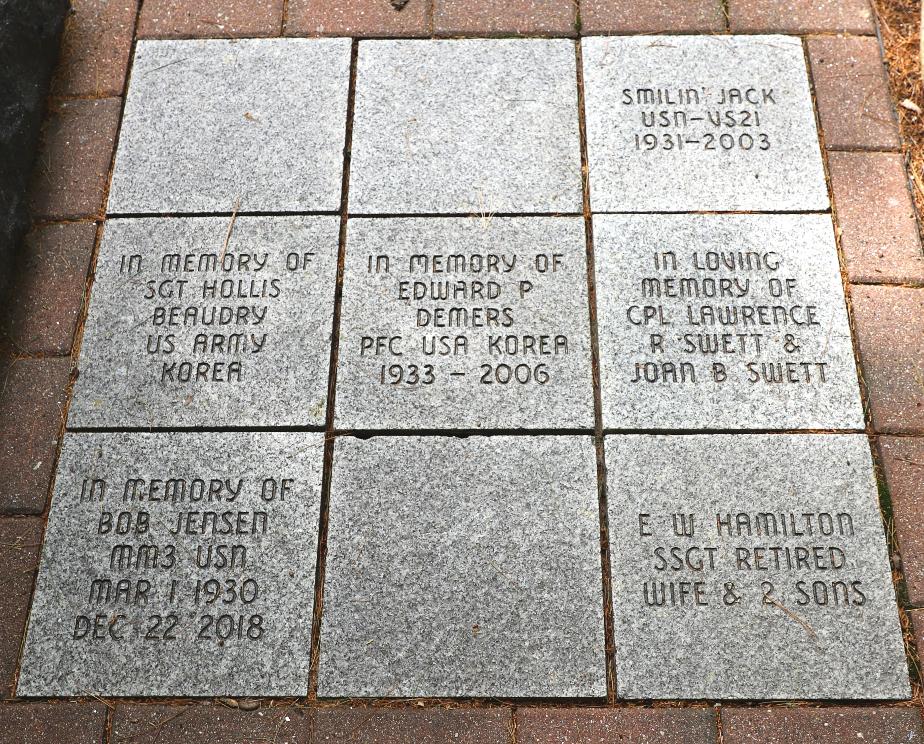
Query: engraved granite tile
x=701 y=123
x=466 y=323
x=723 y=322
x=463 y=567
x=756 y=563
x=465 y=126
x=177 y=564
x=190 y=327
x=214 y=124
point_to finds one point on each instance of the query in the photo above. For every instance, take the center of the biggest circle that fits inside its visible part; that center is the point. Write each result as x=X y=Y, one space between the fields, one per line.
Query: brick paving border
x=880 y=250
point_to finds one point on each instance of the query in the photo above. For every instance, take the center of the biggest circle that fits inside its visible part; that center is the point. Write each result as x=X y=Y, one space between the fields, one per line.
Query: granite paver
x=33 y=394
x=72 y=167
x=889 y=326
x=48 y=288
x=465 y=126
x=216 y=125
x=464 y=323
x=879 y=232
x=743 y=564
x=723 y=322
x=700 y=123
x=193 y=325
x=852 y=93
x=20 y=542
x=177 y=564
x=463 y=567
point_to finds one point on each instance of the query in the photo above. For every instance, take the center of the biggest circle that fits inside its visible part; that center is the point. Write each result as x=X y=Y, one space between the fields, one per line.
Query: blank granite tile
x=723 y=322
x=465 y=323
x=879 y=725
x=188 y=327
x=465 y=126
x=211 y=125
x=177 y=564
x=751 y=566
x=879 y=232
x=463 y=567
x=700 y=123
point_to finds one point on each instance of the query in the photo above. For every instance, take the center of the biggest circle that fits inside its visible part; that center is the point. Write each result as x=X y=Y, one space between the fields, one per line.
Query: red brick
x=95 y=48
x=412 y=726
x=177 y=19
x=48 y=286
x=917 y=622
x=903 y=465
x=821 y=725
x=207 y=724
x=32 y=398
x=852 y=93
x=608 y=725
x=802 y=16
x=357 y=18
x=20 y=541
x=52 y=723
x=504 y=17
x=72 y=169
x=889 y=323
x=879 y=232
x=651 y=16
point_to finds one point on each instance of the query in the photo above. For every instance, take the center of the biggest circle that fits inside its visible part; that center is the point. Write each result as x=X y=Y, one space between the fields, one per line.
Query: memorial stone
x=465 y=126
x=177 y=564
x=214 y=125
x=465 y=323
x=751 y=566
x=700 y=123
x=209 y=321
x=723 y=322
x=463 y=567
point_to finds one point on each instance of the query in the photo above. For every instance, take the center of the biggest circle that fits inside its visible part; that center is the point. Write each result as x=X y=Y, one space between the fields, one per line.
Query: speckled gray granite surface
x=194 y=331
x=214 y=124
x=465 y=323
x=750 y=566
x=723 y=322
x=466 y=126
x=689 y=123
x=463 y=567
x=177 y=564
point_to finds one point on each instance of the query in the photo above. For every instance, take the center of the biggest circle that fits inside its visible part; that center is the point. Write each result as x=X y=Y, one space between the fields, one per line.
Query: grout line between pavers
x=321 y=561
x=605 y=566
